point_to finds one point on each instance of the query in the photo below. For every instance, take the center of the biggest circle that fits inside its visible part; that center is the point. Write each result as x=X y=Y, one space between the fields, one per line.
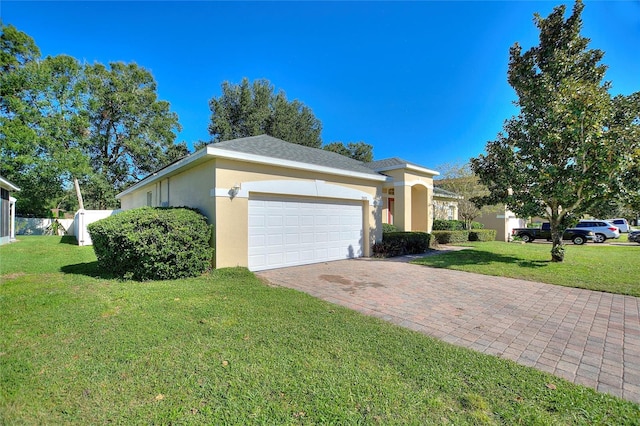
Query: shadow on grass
x=477 y=257
x=89 y=269
x=68 y=239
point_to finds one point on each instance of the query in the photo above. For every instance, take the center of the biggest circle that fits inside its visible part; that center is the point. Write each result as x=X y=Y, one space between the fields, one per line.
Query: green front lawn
x=225 y=348
x=603 y=267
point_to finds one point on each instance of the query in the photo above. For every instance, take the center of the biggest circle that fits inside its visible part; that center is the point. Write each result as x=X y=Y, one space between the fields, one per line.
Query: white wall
x=33 y=226
x=84 y=218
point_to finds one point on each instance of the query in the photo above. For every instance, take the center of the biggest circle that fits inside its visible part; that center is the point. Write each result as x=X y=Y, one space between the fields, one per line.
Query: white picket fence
x=76 y=226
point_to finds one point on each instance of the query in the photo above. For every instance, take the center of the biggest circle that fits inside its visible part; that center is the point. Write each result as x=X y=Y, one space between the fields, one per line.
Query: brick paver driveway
x=587 y=337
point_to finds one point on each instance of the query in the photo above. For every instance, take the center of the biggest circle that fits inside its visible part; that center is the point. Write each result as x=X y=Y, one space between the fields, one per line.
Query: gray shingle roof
x=437 y=191
x=269 y=146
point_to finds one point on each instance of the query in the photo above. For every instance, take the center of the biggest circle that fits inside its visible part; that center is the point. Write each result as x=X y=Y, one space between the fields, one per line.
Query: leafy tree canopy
x=357 y=150
x=131 y=132
x=251 y=109
x=16 y=48
x=63 y=121
x=572 y=144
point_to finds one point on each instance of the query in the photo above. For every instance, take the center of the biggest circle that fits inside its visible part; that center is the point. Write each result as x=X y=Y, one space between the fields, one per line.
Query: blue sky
x=425 y=81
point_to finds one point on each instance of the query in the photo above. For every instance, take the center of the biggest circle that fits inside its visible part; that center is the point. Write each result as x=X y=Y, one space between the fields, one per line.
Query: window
x=149 y=199
x=452 y=211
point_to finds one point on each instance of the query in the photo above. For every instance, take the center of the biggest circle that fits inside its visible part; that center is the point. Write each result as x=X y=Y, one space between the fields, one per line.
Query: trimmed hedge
x=387 y=227
x=153 y=243
x=448 y=237
x=482 y=235
x=448 y=225
x=401 y=243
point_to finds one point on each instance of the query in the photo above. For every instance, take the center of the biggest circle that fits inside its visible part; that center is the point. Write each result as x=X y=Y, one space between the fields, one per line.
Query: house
x=445 y=204
x=500 y=218
x=275 y=204
x=7 y=211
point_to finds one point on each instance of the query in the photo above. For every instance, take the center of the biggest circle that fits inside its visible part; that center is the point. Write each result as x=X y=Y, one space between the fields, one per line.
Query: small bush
x=153 y=243
x=482 y=235
x=387 y=227
x=477 y=225
x=448 y=225
x=401 y=243
x=451 y=237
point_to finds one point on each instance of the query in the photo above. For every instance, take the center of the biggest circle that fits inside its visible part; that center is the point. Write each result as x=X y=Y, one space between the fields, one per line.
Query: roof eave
x=290 y=164
x=211 y=152
x=8 y=185
x=408 y=167
x=192 y=160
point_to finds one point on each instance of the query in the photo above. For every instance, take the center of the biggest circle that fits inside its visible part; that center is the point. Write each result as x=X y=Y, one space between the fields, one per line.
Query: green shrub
x=387 y=227
x=153 y=243
x=448 y=225
x=477 y=225
x=482 y=235
x=401 y=243
x=451 y=237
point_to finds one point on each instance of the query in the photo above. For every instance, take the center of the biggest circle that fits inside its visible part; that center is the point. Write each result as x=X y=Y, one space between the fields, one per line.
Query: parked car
x=601 y=228
x=621 y=223
x=634 y=237
x=578 y=236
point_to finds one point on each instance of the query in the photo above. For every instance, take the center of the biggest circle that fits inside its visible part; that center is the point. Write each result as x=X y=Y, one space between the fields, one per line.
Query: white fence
x=35 y=226
x=76 y=226
x=84 y=218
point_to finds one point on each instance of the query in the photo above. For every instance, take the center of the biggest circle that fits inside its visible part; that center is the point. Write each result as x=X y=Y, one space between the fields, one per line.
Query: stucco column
x=402 y=207
x=430 y=213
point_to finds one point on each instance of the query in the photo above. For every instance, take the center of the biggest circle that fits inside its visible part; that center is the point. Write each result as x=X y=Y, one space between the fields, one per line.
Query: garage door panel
x=286 y=232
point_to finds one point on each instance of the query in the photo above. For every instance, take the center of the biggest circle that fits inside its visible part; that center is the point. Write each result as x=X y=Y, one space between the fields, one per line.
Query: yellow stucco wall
x=190 y=188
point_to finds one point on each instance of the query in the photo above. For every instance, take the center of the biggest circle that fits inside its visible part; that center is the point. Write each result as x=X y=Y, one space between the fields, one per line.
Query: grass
x=77 y=347
x=601 y=267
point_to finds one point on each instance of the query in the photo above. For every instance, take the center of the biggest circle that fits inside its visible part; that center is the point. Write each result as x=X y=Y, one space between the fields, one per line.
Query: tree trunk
x=557 y=249
x=78 y=193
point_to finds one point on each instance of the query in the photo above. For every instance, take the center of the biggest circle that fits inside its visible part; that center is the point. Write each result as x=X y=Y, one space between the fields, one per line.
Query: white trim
x=302 y=188
x=261 y=159
x=8 y=185
x=210 y=151
x=413 y=183
x=408 y=167
x=12 y=218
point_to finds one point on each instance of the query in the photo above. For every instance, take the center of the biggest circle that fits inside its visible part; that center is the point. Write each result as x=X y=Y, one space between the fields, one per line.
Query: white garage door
x=288 y=232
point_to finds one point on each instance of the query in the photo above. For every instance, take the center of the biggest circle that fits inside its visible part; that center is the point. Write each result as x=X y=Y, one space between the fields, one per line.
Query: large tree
x=32 y=96
x=130 y=131
x=569 y=145
x=251 y=109
x=63 y=122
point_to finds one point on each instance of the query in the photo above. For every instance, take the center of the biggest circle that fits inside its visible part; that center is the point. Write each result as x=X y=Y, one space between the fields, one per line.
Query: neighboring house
x=7 y=211
x=445 y=204
x=501 y=219
x=276 y=204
